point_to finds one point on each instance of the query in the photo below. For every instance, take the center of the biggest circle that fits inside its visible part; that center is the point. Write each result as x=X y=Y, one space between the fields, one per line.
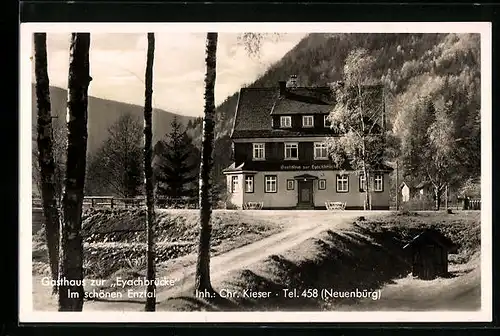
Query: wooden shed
x=429 y=254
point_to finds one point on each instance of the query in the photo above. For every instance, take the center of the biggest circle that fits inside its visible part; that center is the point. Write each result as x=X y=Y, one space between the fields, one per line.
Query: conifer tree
x=176 y=166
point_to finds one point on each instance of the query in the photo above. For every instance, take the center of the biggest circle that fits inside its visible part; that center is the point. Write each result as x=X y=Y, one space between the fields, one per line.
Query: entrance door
x=305 y=193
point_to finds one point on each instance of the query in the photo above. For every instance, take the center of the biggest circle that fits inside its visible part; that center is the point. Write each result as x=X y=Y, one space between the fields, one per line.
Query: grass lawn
x=115 y=240
x=364 y=254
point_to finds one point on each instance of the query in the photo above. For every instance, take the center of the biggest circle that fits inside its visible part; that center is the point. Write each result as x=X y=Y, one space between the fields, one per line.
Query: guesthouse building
x=280 y=155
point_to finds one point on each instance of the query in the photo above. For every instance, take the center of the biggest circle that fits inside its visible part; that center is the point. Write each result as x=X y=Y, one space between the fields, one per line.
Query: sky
x=118 y=61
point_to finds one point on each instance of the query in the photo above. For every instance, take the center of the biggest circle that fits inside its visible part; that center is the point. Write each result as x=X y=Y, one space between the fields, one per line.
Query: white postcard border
x=26 y=312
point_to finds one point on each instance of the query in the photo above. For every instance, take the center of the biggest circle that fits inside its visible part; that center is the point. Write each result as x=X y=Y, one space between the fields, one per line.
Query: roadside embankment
x=366 y=258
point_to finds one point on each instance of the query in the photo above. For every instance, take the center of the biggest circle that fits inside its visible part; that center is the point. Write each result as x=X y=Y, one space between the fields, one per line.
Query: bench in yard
x=330 y=205
x=253 y=205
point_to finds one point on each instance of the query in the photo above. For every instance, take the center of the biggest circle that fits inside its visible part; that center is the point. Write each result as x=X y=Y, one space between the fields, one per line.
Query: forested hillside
x=440 y=68
x=103 y=113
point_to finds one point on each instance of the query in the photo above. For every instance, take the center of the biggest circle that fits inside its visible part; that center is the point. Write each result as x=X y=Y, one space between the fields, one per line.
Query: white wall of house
x=284 y=198
x=236 y=195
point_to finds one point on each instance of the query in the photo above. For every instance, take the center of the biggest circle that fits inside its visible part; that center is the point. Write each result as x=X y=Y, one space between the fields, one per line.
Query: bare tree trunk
x=437 y=197
x=46 y=155
x=148 y=172
x=446 y=198
x=203 y=263
x=71 y=294
x=368 y=205
x=368 y=200
x=397 y=185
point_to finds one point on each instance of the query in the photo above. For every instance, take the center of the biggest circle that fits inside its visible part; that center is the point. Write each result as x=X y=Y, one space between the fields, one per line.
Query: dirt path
x=304 y=226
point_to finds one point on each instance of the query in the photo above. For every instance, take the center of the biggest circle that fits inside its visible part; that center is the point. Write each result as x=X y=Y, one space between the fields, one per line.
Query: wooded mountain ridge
x=411 y=67
x=103 y=113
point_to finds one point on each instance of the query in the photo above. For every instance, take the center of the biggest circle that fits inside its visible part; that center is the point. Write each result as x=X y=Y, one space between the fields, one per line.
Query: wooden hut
x=429 y=254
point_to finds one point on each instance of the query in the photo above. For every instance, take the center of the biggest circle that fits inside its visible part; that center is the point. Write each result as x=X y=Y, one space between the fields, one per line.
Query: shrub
x=225 y=202
x=416 y=204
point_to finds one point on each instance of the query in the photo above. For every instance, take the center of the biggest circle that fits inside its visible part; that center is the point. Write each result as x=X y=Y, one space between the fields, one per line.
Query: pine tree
x=176 y=164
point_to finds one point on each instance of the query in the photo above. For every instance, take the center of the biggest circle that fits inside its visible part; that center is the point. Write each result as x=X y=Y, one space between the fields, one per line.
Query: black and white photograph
x=277 y=172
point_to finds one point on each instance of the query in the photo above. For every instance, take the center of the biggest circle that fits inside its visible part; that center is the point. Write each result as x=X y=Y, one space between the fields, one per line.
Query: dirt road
x=302 y=226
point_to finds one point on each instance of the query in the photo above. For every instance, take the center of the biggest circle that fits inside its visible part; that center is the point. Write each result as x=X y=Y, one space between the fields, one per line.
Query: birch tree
x=71 y=264
x=46 y=162
x=357 y=116
x=430 y=139
x=59 y=138
x=148 y=171
x=252 y=43
x=203 y=262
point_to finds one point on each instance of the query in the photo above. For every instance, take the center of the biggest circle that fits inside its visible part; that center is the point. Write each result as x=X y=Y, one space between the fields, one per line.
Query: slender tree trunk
x=367 y=179
x=437 y=198
x=71 y=295
x=368 y=203
x=46 y=155
x=446 y=198
x=203 y=263
x=148 y=173
x=397 y=185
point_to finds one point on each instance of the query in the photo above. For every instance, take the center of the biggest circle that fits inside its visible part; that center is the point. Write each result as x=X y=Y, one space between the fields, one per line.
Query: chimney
x=282 y=85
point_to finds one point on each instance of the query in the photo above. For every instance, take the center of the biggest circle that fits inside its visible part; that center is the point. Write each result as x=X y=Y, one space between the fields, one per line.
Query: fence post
x=92 y=202
x=111 y=203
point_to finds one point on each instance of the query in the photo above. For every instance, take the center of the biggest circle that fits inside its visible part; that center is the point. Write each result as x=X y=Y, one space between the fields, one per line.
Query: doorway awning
x=305 y=177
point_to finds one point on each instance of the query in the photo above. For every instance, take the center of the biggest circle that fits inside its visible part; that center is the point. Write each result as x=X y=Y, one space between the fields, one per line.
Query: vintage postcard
x=255 y=172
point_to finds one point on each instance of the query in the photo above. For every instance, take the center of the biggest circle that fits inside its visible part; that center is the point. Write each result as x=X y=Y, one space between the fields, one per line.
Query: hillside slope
x=103 y=113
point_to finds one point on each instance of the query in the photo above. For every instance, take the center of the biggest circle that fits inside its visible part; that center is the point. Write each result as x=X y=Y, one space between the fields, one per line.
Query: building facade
x=281 y=158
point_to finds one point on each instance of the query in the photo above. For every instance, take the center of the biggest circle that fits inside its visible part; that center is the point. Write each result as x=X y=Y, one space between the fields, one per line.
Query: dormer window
x=307 y=121
x=285 y=121
x=327 y=122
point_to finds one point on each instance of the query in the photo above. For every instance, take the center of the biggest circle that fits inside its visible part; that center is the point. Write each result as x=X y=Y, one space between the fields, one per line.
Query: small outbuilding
x=429 y=254
x=405 y=190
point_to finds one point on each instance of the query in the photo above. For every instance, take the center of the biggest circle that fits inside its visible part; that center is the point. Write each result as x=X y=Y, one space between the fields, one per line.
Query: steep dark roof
x=253 y=111
x=287 y=106
x=414 y=186
x=405 y=183
x=257 y=105
x=314 y=100
x=429 y=236
x=312 y=95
